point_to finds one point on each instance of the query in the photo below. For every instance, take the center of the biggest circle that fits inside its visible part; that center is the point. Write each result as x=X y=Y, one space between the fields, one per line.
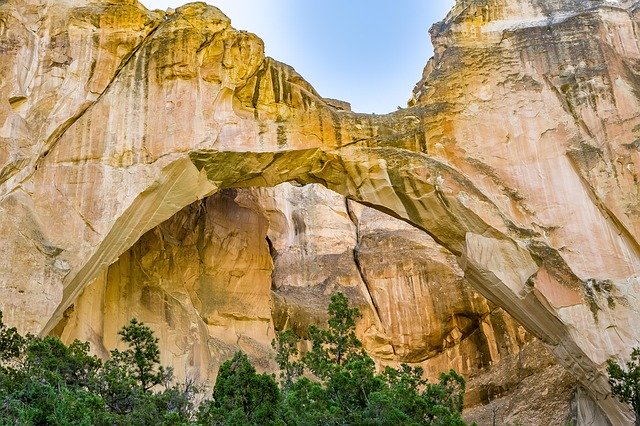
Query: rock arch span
x=506 y=159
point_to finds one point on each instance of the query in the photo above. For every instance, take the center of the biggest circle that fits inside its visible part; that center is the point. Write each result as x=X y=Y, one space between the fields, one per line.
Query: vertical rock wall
x=224 y=273
x=518 y=158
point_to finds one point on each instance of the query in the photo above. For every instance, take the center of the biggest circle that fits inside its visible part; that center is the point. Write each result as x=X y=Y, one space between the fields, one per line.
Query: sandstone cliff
x=134 y=144
x=224 y=272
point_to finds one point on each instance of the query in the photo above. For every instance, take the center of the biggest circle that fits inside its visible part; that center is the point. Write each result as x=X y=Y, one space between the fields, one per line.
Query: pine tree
x=241 y=396
x=349 y=391
x=625 y=382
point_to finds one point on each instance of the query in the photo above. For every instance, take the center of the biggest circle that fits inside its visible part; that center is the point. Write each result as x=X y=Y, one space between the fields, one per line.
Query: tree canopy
x=333 y=382
x=45 y=382
x=346 y=389
x=625 y=381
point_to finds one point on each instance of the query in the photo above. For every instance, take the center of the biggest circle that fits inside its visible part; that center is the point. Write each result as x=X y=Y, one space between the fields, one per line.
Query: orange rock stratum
x=157 y=164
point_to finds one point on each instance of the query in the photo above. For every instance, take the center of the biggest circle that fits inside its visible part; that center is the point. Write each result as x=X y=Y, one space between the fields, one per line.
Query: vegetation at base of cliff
x=348 y=390
x=625 y=381
x=45 y=382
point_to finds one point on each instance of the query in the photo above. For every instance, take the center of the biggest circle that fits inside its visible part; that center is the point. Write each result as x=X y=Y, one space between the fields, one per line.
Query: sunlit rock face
x=540 y=103
x=224 y=273
x=518 y=158
x=201 y=280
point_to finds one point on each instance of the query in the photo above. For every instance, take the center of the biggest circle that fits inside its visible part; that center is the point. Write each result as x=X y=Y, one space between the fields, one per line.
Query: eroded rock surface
x=225 y=272
x=518 y=157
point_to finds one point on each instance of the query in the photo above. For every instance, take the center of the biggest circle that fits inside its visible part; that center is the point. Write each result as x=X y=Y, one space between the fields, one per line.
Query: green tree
x=12 y=344
x=288 y=357
x=51 y=360
x=141 y=360
x=336 y=345
x=128 y=378
x=241 y=396
x=45 y=382
x=625 y=381
x=349 y=391
x=12 y=349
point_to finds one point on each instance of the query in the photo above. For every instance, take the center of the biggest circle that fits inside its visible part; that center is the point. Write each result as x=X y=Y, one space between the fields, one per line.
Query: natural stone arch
x=188 y=106
x=406 y=190
x=409 y=186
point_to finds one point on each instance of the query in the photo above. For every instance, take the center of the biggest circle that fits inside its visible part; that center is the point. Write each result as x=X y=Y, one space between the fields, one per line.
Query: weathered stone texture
x=225 y=272
x=516 y=166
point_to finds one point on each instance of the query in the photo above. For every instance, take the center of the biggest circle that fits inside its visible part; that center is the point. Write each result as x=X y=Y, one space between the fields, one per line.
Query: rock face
x=224 y=272
x=135 y=143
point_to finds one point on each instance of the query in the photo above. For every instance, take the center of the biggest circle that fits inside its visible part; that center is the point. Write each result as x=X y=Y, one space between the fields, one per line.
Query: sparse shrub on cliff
x=625 y=381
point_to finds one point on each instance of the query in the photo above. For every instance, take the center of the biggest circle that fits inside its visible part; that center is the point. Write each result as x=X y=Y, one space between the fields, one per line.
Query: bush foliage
x=625 y=381
x=348 y=390
x=45 y=382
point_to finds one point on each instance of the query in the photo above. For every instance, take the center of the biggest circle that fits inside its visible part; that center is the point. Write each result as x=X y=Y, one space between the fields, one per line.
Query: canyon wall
x=489 y=225
x=225 y=272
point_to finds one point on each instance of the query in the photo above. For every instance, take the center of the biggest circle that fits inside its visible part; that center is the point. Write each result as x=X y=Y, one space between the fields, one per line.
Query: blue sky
x=367 y=52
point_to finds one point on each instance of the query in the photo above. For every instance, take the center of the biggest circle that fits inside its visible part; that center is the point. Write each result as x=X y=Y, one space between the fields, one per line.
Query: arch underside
x=409 y=186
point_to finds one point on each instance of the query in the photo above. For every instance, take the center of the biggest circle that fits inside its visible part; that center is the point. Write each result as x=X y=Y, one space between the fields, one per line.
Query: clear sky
x=367 y=52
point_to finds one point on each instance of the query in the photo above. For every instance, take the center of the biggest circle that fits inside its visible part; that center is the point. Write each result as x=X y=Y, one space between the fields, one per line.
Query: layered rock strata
x=224 y=273
x=519 y=156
